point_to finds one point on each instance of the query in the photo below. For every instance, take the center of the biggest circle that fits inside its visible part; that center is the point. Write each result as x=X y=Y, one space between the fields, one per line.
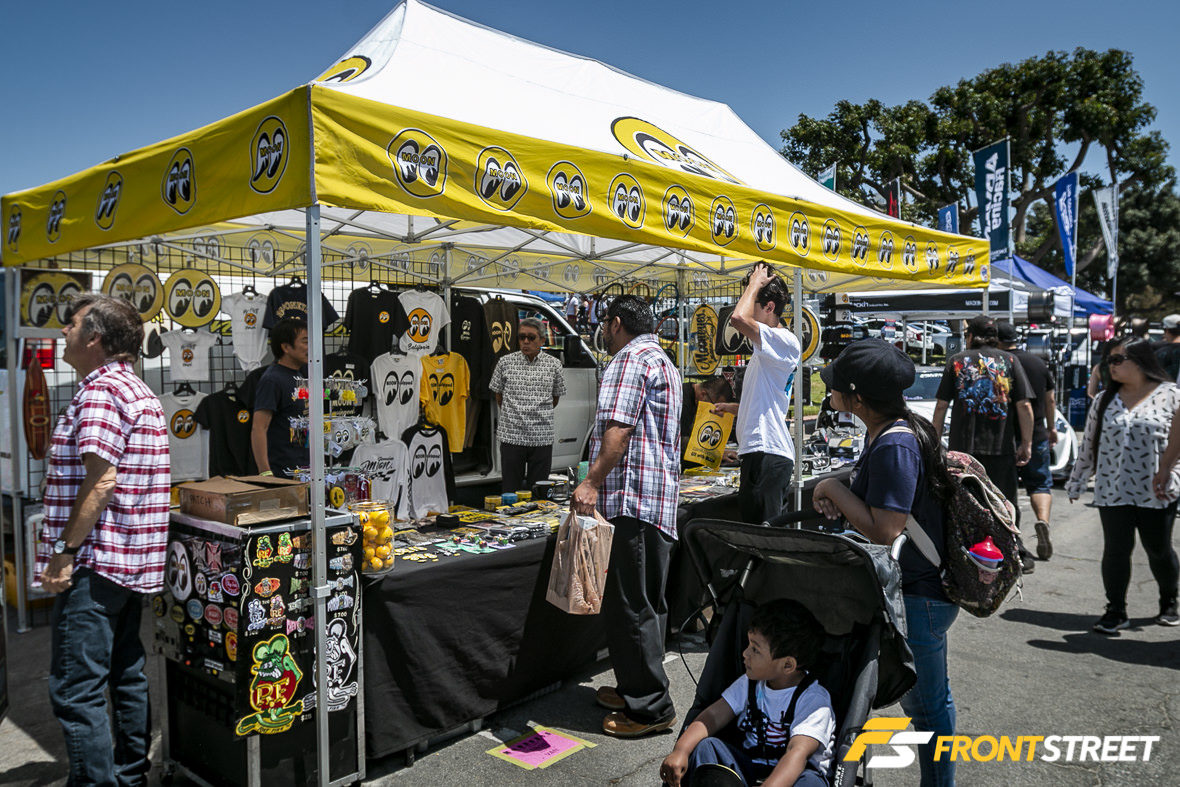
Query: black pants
x=1003 y=473
x=513 y=460
x=636 y=617
x=765 y=484
x=1154 y=525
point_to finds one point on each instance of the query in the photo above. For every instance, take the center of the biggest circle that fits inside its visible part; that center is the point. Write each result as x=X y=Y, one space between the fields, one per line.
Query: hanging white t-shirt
x=425 y=314
x=394 y=383
x=189 y=353
x=246 y=313
x=385 y=465
x=428 y=463
x=813 y=715
x=188 y=444
x=766 y=394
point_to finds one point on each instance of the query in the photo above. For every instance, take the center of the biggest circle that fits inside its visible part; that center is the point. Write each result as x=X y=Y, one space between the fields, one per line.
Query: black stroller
x=853 y=587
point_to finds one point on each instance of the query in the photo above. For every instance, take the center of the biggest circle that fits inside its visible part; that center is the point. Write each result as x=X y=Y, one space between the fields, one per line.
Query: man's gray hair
x=114 y=320
x=534 y=323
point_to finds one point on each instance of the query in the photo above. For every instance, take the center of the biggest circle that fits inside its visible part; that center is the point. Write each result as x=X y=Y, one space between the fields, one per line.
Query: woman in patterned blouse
x=1131 y=445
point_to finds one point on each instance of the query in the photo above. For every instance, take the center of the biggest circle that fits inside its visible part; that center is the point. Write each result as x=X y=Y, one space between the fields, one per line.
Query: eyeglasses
x=1115 y=360
x=529 y=337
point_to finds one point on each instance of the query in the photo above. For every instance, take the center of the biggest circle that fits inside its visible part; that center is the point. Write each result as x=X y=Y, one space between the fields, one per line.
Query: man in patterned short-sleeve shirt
x=104 y=543
x=634 y=480
x=527 y=384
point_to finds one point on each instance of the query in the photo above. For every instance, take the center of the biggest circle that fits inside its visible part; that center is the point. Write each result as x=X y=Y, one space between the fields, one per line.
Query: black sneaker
x=1113 y=621
x=1168 y=615
x=1044 y=545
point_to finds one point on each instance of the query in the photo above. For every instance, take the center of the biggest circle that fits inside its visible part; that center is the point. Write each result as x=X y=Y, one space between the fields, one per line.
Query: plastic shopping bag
x=577 y=578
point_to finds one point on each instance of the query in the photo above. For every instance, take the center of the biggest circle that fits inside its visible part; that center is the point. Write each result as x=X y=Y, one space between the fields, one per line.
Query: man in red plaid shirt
x=634 y=480
x=104 y=543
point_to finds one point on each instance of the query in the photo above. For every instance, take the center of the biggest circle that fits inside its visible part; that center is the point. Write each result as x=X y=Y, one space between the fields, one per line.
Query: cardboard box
x=244 y=500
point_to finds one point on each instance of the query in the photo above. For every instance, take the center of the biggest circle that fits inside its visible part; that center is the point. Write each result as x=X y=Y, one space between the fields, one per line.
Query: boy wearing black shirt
x=276 y=450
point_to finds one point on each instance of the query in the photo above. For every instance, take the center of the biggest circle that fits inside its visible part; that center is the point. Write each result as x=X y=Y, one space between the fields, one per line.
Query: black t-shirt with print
x=982 y=384
x=290 y=300
x=350 y=367
x=229 y=421
x=502 y=318
x=370 y=318
x=469 y=338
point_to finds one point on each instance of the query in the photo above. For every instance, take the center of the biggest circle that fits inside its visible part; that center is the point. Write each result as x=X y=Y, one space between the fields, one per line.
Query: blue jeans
x=95 y=646
x=929 y=703
x=715 y=750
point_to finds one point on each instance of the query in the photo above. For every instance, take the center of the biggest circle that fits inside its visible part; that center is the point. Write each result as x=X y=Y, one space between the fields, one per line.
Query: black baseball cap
x=870 y=367
x=1006 y=332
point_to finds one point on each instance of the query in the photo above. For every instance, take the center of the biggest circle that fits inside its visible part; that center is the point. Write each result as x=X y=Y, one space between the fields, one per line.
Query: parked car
x=922 y=395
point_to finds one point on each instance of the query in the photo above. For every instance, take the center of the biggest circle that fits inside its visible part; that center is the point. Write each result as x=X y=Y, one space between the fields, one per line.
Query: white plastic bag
x=577 y=578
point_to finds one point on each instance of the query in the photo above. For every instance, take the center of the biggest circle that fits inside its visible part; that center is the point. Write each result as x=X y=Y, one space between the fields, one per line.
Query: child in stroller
x=785 y=723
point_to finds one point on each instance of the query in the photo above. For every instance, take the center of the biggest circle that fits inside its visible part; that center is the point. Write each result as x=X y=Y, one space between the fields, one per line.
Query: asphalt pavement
x=1034 y=669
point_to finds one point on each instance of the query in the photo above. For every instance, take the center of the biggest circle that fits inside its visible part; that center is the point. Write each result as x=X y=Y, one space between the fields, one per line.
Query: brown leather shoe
x=620 y=726
x=609 y=698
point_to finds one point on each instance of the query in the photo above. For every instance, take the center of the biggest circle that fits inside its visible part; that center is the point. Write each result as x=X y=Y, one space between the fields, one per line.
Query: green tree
x=1055 y=110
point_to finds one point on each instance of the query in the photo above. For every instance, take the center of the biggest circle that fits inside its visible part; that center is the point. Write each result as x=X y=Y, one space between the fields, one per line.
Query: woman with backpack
x=1131 y=445
x=902 y=472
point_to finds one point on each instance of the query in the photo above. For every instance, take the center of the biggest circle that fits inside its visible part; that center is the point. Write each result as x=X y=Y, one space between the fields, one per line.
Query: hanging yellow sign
x=710 y=433
x=45 y=296
x=810 y=341
x=704 y=334
x=192 y=298
x=137 y=285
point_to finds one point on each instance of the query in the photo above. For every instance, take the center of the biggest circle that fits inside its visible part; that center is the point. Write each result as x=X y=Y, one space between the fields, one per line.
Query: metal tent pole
x=799 y=372
x=315 y=436
x=12 y=340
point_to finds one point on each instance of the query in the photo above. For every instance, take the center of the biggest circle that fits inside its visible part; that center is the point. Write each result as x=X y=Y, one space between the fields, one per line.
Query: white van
x=574 y=416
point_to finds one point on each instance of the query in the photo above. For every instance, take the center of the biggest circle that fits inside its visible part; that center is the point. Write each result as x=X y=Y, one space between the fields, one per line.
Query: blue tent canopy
x=1084 y=302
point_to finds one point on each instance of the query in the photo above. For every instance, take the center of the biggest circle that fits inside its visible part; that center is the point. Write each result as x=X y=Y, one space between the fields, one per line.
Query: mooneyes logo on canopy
x=499 y=179
x=268 y=155
x=652 y=143
x=347 y=69
x=569 y=190
x=764 y=228
x=723 y=224
x=627 y=201
x=108 y=200
x=179 y=186
x=419 y=163
x=679 y=212
x=57 y=212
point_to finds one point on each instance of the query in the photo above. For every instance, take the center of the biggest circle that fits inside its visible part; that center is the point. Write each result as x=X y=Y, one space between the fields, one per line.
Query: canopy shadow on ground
x=1117 y=648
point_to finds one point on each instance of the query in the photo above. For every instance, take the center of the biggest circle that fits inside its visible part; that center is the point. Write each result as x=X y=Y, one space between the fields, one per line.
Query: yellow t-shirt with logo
x=443 y=391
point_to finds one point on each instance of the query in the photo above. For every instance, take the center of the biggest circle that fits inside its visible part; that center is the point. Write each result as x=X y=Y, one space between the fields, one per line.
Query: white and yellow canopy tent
x=489 y=160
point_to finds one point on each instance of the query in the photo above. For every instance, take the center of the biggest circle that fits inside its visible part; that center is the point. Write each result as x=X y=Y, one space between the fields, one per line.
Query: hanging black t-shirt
x=370 y=318
x=688 y=413
x=276 y=392
x=350 y=367
x=502 y=318
x=1168 y=354
x=1040 y=381
x=290 y=300
x=228 y=420
x=470 y=339
x=982 y=385
x=249 y=387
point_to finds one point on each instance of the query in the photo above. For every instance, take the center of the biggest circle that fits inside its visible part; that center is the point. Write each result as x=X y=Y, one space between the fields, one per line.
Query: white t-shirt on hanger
x=394 y=383
x=189 y=353
x=188 y=444
x=385 y=465
x=425 y=314
x=250 y=338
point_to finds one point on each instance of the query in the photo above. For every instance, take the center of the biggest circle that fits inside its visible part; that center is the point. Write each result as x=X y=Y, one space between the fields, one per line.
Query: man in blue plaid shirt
x=634 y=480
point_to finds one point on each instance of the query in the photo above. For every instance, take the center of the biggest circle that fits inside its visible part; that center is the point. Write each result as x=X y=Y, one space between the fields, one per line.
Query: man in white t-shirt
x=764 y=441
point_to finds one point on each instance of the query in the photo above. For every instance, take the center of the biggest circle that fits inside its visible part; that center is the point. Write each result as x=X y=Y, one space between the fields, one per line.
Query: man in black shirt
x=713 y=390
x=1168 y=351
x=984 y=383
x=276 y=448
x=1037 y=475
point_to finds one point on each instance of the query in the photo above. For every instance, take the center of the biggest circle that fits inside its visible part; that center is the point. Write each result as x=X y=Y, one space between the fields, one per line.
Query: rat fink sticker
x=272 y=689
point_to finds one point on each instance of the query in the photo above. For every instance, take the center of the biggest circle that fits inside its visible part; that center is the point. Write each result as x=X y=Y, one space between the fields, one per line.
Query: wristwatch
x=60 y=548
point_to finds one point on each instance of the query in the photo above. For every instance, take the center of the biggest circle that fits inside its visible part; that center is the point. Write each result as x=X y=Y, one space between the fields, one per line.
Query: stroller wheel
x=715 y=774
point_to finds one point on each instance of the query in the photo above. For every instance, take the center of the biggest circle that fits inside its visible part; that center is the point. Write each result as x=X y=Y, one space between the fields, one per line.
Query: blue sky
x=83 y=82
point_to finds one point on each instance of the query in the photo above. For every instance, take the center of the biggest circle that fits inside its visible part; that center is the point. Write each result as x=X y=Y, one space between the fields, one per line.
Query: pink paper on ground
x=537 y=749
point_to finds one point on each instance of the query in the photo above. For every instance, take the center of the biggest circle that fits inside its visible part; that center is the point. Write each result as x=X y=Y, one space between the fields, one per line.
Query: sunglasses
x=1116 y=359
x=528 y=337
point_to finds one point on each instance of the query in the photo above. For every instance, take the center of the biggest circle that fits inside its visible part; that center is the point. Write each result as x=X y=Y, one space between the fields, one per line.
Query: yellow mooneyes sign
x=710 y=433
